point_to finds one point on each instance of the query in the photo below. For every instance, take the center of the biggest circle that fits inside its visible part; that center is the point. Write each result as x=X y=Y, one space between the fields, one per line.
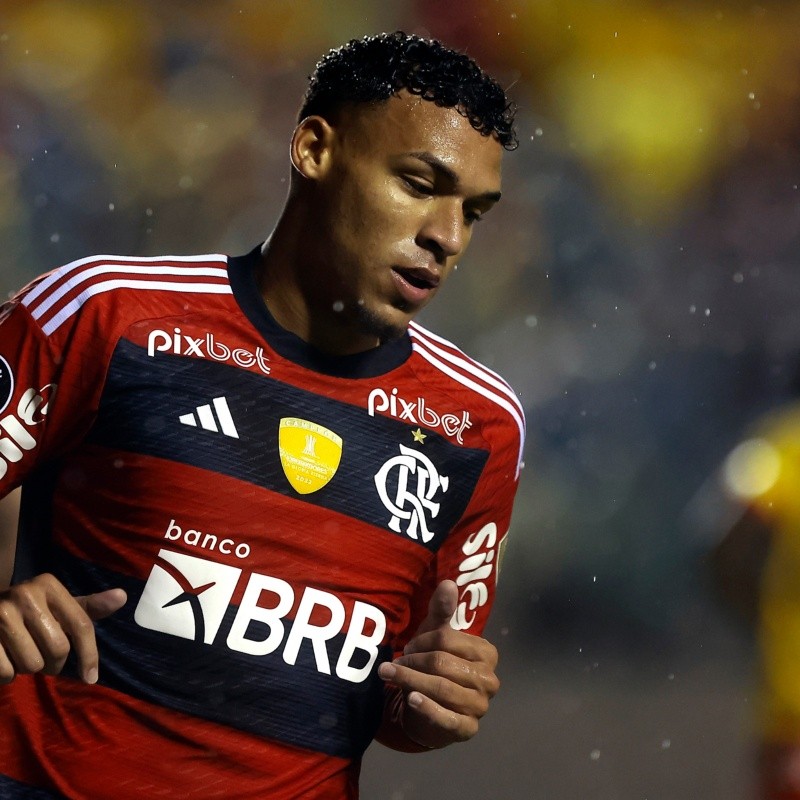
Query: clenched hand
x=447 y=676
x=40 y=621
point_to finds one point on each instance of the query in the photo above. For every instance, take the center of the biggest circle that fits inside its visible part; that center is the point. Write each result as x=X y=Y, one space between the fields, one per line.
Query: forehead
x=406 y=124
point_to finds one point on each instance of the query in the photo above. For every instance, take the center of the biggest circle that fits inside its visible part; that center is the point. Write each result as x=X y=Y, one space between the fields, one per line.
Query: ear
x=311 y=147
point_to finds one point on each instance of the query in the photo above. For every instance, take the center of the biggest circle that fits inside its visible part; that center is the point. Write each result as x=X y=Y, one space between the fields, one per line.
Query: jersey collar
x=369 y=364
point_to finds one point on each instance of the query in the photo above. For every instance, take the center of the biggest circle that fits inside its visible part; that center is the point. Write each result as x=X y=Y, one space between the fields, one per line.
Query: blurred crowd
x=638 y=288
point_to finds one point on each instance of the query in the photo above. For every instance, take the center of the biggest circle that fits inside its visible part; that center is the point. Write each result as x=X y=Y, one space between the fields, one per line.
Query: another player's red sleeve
x=46 y=391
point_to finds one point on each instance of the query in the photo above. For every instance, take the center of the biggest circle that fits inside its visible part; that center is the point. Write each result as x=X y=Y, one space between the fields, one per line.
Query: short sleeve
x=47 y=390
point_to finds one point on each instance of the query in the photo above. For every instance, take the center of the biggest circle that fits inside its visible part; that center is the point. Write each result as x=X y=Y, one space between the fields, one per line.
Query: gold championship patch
x=310 y=454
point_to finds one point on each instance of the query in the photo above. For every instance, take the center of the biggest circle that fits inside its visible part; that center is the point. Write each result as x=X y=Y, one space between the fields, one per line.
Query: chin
x=381 y=326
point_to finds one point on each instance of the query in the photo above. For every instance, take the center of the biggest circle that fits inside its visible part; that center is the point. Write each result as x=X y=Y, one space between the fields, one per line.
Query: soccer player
x=758 y=569
x=263 y=510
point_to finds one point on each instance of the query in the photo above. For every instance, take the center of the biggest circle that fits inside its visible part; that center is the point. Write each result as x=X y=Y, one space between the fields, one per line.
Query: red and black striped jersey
x=277 y=516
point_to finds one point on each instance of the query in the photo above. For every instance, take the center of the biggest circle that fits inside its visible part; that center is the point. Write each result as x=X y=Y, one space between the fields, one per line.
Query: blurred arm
x=9 y=515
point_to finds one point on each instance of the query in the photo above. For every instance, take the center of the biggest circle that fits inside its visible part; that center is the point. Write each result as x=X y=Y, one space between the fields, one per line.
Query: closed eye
x=473 y=216
x=417 y=187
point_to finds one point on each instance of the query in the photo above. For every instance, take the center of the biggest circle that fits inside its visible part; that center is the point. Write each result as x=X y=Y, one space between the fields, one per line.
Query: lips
x=415 y=284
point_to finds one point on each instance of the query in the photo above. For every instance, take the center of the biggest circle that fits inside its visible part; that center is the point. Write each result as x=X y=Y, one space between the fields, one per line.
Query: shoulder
x=484 y=391
x=108 y=284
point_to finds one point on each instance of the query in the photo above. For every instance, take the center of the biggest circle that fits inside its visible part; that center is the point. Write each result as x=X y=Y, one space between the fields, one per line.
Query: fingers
x=103 y=604
x=40 y=622
x=33 y=640
x=439 y=708
x=458 y=643
x=447 y=678
x=81 y=628
x=434 y=725
x=441 y=607
x=457 y=685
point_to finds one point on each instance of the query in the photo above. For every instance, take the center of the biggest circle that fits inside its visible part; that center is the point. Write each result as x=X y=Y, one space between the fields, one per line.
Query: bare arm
x=9 y=515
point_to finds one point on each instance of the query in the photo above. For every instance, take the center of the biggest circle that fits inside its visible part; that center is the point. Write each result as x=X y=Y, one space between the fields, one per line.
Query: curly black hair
x=372 y=69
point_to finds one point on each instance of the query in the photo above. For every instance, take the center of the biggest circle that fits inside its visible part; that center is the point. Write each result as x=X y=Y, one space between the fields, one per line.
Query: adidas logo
x=205 y=418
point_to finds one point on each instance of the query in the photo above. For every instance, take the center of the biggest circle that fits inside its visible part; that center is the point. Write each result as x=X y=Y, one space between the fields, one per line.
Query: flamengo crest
x=416 y=483
x=310 y=454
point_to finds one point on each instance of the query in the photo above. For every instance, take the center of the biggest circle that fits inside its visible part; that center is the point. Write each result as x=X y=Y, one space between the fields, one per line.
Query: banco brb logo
x=414 y=482
x=186 y=596
x=189 y=597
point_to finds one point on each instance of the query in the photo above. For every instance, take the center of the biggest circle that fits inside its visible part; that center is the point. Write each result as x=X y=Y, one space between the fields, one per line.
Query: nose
x=444 y=232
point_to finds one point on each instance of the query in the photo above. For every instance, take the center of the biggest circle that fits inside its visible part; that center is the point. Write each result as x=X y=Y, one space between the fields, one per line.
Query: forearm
x=9 y=517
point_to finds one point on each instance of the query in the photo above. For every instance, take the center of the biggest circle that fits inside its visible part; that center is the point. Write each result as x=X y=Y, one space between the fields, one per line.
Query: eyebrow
x=437 y=165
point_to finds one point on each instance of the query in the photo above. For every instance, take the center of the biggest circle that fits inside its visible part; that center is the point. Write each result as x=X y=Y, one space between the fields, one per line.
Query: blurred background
x=639 y=288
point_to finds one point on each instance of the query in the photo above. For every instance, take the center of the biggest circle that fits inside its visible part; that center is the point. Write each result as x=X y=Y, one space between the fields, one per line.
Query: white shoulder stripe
x=515 y=413
x=107 y=286
x=464 y=362
x=104 y=269
x=54 y=277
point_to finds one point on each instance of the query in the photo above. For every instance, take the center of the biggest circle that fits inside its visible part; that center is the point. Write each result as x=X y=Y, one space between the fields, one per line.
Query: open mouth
x=419 y=278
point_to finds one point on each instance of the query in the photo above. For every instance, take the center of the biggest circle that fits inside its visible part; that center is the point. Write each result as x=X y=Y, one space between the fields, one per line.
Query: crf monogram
x=417 y=483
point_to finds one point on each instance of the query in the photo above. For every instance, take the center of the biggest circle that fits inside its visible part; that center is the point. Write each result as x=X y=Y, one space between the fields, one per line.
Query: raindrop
x=665 y=744
x=651 y=366
x=338 y=306
x=56 y=237
x=110 y=206
x=595 y=755
x=738 y=277
x=531 y=320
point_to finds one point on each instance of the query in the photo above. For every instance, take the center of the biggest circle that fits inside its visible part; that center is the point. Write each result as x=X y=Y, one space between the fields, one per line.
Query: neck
x=291 y=280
